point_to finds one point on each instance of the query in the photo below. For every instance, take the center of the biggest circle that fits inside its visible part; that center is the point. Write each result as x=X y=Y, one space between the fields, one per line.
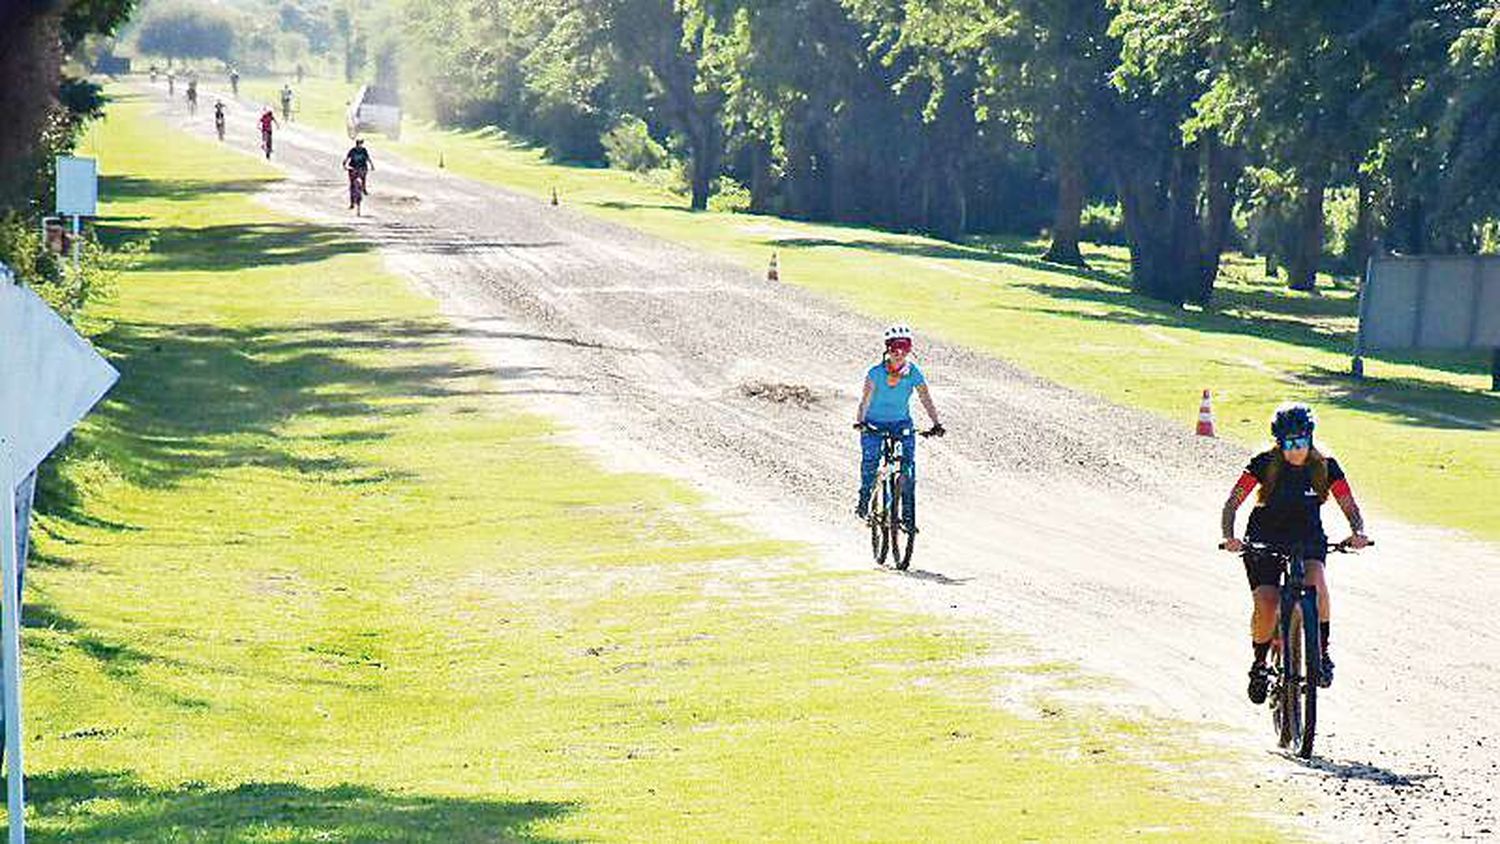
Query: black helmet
x=1293 y=419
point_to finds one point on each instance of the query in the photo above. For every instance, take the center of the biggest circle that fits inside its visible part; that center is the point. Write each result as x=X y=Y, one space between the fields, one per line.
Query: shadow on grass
x=955 y=252
x=1130 y=308
x=126 y=809
x=197 y=399
x=133 y=187
x=619 y=205
x=237 y=247
x=1409 y=401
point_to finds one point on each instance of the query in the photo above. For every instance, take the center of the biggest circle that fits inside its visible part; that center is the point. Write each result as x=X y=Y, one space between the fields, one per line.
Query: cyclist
x=286 y=102
x=358 y=164
x=192 y=95
x=267 y=121
x=886 y=407
x=234 y=81
x=219 y=118
x=171 y=83
x=1295 y=480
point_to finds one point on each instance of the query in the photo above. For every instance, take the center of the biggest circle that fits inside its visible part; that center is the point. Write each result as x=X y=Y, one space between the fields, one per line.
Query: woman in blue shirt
x=886 y=407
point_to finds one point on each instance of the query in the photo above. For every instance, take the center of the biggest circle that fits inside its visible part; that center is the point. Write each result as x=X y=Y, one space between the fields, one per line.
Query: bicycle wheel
x=878 y=539
x=1289 y=670
x=902 y=541
x=1312 y=649
x=893 y=521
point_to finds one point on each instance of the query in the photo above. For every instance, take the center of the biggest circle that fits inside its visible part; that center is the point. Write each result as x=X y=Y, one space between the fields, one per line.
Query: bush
x=1103 y=223
x=629 y=146
x=729 y=196
x=53 y=277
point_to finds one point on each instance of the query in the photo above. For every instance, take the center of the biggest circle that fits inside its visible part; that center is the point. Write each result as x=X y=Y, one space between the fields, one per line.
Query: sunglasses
x=1294 y=443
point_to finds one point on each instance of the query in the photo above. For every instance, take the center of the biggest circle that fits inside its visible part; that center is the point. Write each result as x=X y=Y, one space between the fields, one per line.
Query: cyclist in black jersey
x=358 y=164
x=1295 y=480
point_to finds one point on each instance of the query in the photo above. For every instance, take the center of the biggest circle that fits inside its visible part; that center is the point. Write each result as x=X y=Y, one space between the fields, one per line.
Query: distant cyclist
x=234 y=81
x=358 y=164
x=192 y=96
x=267 y=123
x=286 y=102
x=171 y=84
x=886 y=407
x=1295 y=479
x=219 y=118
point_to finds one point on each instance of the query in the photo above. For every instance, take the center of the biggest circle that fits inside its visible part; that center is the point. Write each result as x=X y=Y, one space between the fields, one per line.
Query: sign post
x=10 y=647
x=49 y=379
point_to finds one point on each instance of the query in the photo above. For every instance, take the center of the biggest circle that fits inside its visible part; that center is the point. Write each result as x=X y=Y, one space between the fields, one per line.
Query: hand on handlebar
x=937 y=430
x=1233 y=545
x=1357 y=540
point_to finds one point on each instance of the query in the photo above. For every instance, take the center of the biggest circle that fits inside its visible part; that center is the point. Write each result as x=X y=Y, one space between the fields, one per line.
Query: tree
x=673 y=44
x=35 y=38
x=1176 y=188
x=184 y=29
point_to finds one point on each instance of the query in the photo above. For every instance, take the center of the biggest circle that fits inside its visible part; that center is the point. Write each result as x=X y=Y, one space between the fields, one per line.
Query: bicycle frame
x=1299 y=652
x=886 y=528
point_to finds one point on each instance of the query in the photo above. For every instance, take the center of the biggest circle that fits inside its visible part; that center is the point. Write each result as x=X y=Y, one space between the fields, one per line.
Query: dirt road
x=1088 y=527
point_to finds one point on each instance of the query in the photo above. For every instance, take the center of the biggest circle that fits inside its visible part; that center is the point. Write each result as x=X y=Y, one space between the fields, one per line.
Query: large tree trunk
x=1307 y=238
x=948 y=215
x=1173 y=250
x=762 y=185
x=30 y=59
x=1067 y=223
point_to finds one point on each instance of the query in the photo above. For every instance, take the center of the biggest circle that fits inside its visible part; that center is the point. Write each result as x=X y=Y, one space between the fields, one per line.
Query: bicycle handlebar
x=1342 y=547
x=866 y=427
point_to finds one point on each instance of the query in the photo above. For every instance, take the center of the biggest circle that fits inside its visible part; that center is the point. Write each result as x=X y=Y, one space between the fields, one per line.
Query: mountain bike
x=1296 y=650
x=356 y=189
x=219 y=125
x=889 y=535
x=265 y=142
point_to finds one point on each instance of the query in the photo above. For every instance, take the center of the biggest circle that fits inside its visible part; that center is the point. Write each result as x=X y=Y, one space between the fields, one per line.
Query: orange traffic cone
x=1206 y=416
x=773 y=272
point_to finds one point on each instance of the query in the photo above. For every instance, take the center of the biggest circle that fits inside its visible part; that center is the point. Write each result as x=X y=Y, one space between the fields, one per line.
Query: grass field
x=1422 y=439
x=306 y=575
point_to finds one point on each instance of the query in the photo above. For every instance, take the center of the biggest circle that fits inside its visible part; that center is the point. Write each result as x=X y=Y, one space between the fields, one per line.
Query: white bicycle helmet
x=898 y=331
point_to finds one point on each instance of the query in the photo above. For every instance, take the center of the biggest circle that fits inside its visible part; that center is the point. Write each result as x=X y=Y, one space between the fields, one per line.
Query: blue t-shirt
x=892 y=403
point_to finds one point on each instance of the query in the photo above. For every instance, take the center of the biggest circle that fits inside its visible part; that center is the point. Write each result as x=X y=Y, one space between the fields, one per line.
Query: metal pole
x=10 y=648
x=76 y=222
x=1495 y=372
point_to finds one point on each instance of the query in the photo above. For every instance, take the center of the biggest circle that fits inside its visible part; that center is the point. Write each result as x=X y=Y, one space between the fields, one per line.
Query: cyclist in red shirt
x=267 y=121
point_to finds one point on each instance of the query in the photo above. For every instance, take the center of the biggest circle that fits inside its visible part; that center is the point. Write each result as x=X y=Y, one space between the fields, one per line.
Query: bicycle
x=356 y=190
x=889 y=535
x=219 y=125
x=1297 y=648
x=265 y=142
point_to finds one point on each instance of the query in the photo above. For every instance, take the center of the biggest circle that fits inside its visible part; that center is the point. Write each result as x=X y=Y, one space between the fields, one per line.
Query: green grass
x=305 y=576
x=1422 y=439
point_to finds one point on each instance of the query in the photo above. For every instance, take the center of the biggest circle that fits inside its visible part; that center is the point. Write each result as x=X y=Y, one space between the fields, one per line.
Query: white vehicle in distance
x=375 y=109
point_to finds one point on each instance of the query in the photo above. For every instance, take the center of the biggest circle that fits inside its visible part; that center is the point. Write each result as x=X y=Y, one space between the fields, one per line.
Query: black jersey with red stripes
x=1293 y=512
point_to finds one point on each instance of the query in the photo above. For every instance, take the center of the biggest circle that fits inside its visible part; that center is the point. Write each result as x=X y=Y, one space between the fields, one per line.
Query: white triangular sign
x=49 y=378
